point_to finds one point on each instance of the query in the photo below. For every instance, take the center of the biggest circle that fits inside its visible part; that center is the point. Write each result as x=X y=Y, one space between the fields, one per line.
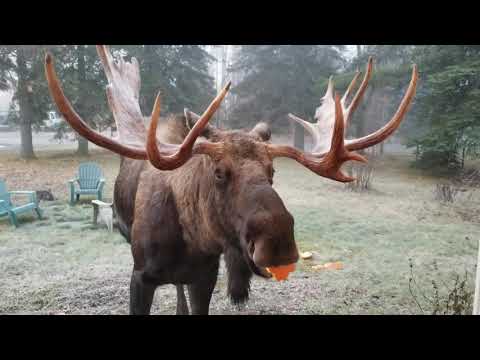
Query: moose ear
x=191 y=118
x=262 y=131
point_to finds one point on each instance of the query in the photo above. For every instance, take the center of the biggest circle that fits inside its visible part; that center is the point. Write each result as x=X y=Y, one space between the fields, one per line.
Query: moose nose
x=273 y=244
x=269 y=230
x=264 y=257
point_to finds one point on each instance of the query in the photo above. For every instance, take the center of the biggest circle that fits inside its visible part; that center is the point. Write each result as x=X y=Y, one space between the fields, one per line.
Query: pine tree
x=277 y=80
x=179 y=72
x=21 y=69
x=448 y=116
x=80 y=71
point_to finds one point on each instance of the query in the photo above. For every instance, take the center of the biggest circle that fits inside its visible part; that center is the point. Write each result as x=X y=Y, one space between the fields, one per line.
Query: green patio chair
x=90 y=182
x=7 y=208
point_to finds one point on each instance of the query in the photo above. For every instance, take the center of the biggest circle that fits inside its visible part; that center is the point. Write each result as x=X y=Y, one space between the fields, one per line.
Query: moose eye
x=220 y=175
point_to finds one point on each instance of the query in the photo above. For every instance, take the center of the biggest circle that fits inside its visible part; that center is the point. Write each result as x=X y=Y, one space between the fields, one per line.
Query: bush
x=445 y=192
x=363 y=173
x=453 y=300
x=440 y=163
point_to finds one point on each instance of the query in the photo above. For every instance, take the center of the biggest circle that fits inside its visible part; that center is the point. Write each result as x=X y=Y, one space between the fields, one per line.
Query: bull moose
x=188 y=192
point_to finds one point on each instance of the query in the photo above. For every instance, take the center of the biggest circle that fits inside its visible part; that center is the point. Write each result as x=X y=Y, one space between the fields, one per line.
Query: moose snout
x=271 y=240
x=265 y=257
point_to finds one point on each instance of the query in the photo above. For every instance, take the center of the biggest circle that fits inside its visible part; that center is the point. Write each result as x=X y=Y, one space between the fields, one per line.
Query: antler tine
x=338 y=154
x=361 y=90
x=308 y=126
x=206 y=116
x=329 y=92
x=160 y=158
x=169 y=156
x=106 y=59
x=350 y=88
x=329 y=165
x=388 y=129
x=123 y=92
x=77 y=123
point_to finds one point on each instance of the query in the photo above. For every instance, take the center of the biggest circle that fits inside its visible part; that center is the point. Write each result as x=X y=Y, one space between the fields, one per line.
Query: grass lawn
x=64 y=264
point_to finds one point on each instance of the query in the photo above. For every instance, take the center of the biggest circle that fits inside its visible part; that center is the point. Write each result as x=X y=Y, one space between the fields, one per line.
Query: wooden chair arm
x=101 y=183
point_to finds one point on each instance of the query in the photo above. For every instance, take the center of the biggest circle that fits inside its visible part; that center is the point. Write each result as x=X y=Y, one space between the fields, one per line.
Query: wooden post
x=95 y=213
x=476 y=299
x=299 y=137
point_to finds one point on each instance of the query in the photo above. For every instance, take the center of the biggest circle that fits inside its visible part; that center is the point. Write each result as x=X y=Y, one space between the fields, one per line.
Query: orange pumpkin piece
x=281 y=272
x=329 y=266
x=334 y=266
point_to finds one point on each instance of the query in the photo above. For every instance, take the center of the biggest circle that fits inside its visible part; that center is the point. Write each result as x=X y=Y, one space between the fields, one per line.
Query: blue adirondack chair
x=8 y=208
x=90 y=182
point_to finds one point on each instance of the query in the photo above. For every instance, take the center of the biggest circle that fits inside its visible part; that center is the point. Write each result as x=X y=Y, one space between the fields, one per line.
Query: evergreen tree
x=179 y=72
x=79 y=69
x=276 y=80
x=448 y=116
x=21 y=69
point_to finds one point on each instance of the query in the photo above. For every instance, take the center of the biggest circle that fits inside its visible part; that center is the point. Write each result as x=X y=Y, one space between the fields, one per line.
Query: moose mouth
x=257 y=270
x=266 y=271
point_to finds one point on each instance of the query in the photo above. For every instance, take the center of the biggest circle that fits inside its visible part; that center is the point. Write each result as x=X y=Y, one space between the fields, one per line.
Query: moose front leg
x=182 y=306
x=141 y=294
x=200 y=292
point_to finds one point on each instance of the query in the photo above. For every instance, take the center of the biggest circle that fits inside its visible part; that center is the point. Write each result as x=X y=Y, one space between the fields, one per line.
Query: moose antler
x=162 y=157
x=123 y=94
x=330 y=150
x=322 y=130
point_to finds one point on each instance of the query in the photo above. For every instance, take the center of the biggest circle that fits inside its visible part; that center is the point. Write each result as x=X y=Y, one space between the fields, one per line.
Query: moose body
x=188 y=192
x=180 y=222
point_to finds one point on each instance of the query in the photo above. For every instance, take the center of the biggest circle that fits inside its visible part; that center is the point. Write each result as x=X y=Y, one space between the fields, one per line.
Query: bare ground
x=64 y=264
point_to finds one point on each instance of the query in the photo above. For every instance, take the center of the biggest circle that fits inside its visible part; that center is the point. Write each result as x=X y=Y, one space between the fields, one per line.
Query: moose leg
x=182 y=306
x=200 y=292
x=141 y=294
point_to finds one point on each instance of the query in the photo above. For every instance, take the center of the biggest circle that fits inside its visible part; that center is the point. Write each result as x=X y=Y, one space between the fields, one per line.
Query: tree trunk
x=26 y=108
x=82 y=149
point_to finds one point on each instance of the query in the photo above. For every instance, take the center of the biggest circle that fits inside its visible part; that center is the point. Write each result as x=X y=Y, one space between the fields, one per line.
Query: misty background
x=268 y=82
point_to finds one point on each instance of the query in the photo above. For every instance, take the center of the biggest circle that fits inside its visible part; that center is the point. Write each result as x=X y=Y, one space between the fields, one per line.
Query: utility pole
x=220 y=80
x=224 y=81
x=359 y=50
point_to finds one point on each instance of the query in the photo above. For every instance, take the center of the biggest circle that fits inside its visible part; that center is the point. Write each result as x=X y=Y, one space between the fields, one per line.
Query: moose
x=188 y=192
